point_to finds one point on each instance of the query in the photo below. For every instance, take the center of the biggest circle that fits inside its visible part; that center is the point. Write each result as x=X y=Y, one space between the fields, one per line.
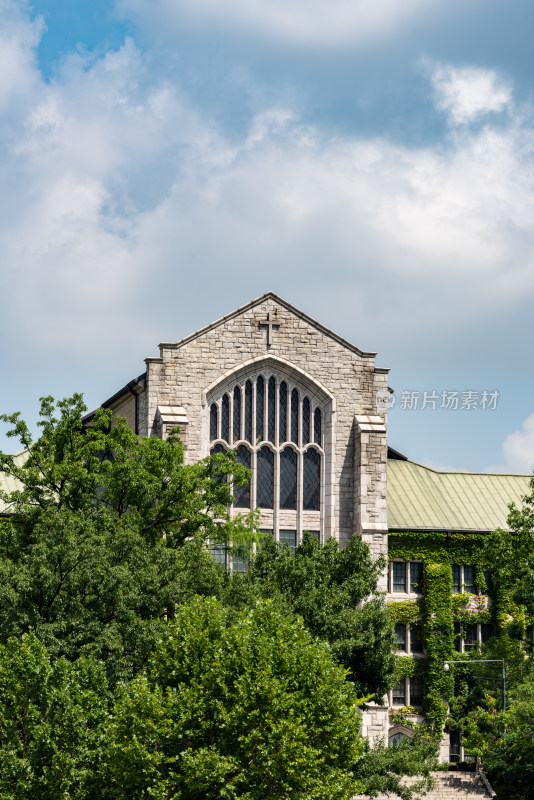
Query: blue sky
x=164 y=162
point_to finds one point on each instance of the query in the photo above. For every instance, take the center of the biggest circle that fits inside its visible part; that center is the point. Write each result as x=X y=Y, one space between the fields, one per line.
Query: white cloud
x=117 y=192
x=467 y=94
x=316 y=23
x=518 y=449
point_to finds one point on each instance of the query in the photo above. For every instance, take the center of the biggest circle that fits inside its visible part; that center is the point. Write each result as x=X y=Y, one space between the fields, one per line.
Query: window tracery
x=276 y=430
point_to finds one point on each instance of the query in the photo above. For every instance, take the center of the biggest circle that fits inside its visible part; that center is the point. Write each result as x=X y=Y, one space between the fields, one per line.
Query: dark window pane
x=260 y=403
x=399 y=694
x=289 y=538
x=469 y=580
x=237 y=414
x=295 y=416
x=470 y=638
x=283 y=413
x=416 y=692
x=312 y=480
x=458 y=637
x=213 y=421
x=400 y=637
x=242 y=493
x=416 y=645
x=416 y=576
x=225 y=418
x=271 y=410
x=316 y=535
x=486 y=632
x=248 y=412
x=456 y=584
x=399 y=576
x=317 y=427
x=305 y=421
x=529 y=633
x=288 y=478
x=218 y=448
x=264 y=478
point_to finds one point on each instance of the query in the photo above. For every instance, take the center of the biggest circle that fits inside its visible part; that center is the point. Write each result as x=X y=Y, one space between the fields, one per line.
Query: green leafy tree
x=100 y=539
x=381 y=768
x=52 y=719
x=332 y=589
x=234 y=705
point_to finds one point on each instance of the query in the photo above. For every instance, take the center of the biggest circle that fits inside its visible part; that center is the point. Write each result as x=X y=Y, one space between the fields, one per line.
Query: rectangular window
x=469 y=580
x=289 y=538
x=399 y=576
x=470 y=638
x=456 y=579
x=400 y=637
x=315 y=535
x=398 y=694
x=218 y=553
x=416 y=645
x=416 y=576
x=416 y=691
x=240 y=563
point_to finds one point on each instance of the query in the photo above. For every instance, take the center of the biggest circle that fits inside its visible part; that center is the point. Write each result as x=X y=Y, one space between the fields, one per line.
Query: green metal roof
x=422 y=498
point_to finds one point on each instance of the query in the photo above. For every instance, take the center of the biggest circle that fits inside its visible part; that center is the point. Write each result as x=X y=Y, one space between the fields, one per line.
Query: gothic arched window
x=283 y=431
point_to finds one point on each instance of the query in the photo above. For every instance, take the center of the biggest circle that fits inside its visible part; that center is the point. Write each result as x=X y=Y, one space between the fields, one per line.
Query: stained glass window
x=295 y=416
x=264 y=478
x=242 y=493
x=248 y=412
x=237 y=414
x=213 y=421
x=271 y=411
x=260 y=402
x=225 y=418
x=317 y=426
x=288 y=478
x=289 y=538
x=218 y=448
x=312 y=480
x=305 y=421
x=282 y=424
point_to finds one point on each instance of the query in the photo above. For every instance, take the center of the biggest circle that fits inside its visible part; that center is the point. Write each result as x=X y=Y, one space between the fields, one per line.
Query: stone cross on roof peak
x=270 y=323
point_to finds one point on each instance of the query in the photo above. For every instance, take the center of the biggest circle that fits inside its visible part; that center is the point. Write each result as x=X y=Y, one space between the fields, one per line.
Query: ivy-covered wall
x=439 y=609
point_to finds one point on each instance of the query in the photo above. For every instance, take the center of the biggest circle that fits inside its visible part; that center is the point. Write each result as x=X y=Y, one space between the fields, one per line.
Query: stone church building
x=306 y=411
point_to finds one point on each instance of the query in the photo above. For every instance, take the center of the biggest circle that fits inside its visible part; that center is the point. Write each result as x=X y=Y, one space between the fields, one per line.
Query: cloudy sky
x=165 y=161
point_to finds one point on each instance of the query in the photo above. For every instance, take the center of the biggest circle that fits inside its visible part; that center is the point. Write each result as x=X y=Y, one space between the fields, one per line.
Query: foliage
x=92 y=557
x=234 y=706
x=406 y=611
x=52 y=717
x=437 y=632
x=327 y=586
x=380 y=768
